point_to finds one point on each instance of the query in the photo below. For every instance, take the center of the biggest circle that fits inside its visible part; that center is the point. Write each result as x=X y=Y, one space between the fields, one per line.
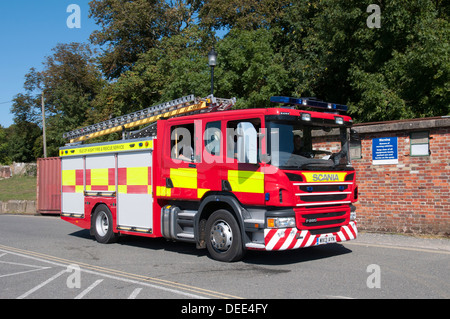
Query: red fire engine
x=230 y=181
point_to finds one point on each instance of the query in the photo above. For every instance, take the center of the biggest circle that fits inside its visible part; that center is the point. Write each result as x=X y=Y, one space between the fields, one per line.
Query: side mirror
x=354 y=135
x=247 y=143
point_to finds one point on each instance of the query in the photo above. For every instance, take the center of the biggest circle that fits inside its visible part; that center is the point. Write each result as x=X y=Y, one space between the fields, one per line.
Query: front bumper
x=292 y=238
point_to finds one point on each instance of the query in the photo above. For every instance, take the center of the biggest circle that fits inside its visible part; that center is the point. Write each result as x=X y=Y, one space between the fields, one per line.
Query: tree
x=156 y=50
x=23 y=134
x=177 y=67
x=242 y=14
x=69 y=81
x=4 y=152
x=21 y=141
x=251 y=68
x=409 y=76
x=131 y=28
x=400 y=70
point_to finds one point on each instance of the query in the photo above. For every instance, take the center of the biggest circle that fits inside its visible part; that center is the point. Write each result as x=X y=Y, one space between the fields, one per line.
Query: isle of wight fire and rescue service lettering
x=105 y=148
x=120 y=147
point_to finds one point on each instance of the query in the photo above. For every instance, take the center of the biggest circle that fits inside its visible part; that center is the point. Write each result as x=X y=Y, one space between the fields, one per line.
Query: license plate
x=326 y=240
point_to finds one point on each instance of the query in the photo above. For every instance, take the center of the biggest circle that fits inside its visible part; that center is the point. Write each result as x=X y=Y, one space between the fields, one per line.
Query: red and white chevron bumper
x=292 y=238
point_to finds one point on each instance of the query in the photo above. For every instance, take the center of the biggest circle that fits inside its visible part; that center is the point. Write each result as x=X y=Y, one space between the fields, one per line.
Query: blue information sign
x=384 y=150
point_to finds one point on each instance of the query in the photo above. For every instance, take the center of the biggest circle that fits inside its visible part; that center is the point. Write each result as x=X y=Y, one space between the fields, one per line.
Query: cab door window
x=213 y=138
x=182 y=142
x=232 y=136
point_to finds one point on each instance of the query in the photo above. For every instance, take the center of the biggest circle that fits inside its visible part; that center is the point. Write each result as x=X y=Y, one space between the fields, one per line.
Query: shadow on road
x=251 y=257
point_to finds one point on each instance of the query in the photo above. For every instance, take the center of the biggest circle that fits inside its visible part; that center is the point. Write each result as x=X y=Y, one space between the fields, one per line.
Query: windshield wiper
x=316 y=164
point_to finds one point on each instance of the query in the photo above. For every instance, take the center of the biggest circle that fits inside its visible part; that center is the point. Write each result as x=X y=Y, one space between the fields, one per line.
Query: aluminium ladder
x=186 y=105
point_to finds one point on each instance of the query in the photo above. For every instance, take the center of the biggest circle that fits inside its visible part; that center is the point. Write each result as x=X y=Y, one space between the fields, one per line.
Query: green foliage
x=405 y=74
x=69 y=83
x=398 y=71
x=156 y=50
x=177 y=67
x=242 y=14
x=250 y=68
x=4 y=153
x=131 y=28
x=21 y=142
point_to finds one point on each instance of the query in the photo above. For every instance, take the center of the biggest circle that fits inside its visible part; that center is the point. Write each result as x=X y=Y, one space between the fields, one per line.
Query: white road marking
x=135 y=293
x=29 y=292
x=88 y=289
x=338 y=297
x=141 y=283
x=36 y=268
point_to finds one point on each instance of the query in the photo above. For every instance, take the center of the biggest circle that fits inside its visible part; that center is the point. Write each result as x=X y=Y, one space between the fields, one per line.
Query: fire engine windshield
x=308 y=146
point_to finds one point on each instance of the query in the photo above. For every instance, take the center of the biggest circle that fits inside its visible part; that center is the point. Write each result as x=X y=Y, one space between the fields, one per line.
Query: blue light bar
x=305 y=102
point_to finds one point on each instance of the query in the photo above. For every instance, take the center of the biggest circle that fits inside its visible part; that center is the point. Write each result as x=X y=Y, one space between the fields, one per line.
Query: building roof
x=403 y=125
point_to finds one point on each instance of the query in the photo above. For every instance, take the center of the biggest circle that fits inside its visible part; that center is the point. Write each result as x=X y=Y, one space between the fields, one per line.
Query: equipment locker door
x=100 y=174
x=134 y=196
x=72 y=182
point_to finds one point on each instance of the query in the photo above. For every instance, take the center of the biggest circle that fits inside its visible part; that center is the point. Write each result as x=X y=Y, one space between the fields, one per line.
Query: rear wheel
x=103 y=225
x=223 y=237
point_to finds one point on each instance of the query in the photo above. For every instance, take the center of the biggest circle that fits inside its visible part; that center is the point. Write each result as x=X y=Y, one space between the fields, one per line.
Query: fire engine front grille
x=324 y=215
x=323 y=198
x=316 y=194
x=323 y=188
x=322 y=219
x=323 y=223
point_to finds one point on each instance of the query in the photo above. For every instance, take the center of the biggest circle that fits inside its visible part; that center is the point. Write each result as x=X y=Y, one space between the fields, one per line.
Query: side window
x=355 y=145
x=420 y=143
x=231 y=135
x=213 y=138
x=182 y=142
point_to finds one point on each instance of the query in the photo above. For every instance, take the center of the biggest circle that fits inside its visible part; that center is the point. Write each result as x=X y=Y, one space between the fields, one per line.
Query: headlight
x=281 y=222
x=339 y=120
x=306 y=117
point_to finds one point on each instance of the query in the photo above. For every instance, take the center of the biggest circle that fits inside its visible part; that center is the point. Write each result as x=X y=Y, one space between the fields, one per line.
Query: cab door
x=241 y=175
x=212 y=153
x=179 y=162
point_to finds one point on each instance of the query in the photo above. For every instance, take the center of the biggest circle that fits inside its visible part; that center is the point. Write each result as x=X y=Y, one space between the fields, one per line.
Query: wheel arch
x=92 y=211
x=212 y=203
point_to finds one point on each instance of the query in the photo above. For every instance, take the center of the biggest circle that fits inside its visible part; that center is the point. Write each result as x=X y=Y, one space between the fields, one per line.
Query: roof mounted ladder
x=186 y=105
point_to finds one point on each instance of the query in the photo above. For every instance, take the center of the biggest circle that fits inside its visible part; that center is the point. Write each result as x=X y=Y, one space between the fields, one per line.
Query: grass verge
x=18 y=188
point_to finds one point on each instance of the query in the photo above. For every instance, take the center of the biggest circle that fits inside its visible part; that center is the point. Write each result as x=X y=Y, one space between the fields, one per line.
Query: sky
x=29 y=30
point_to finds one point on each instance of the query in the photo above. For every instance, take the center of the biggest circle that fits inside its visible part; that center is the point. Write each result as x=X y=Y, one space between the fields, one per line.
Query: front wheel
x=224 y=240
x=103 y=225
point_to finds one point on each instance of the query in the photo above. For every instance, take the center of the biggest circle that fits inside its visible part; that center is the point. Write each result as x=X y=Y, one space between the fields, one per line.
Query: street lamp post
x=212 y=61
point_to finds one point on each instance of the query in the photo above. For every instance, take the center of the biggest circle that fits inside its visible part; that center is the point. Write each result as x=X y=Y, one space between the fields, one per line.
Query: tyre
x=223 y=237
x=103 y=225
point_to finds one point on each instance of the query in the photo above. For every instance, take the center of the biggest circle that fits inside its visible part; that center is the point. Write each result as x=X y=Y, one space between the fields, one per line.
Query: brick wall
x=411 y=196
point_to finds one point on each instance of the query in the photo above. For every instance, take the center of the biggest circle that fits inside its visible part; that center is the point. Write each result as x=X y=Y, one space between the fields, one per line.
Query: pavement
x=416 y=242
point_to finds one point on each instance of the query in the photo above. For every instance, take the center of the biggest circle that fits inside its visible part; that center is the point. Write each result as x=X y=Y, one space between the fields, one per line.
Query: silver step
x=186 y=235
x=187 y=214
